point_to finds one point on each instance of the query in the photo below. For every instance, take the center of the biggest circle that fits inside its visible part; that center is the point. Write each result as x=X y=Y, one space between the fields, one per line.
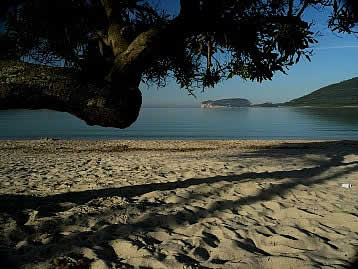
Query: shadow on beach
x=19 y=207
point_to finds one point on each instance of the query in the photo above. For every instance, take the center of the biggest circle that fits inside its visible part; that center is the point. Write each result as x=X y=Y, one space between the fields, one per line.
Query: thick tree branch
x=30 y=86
x=304 y=6
x=189 y=9
x=290 y=7
x=129 y=65
x=114 y=37
x=116 y=40
x=108 y=7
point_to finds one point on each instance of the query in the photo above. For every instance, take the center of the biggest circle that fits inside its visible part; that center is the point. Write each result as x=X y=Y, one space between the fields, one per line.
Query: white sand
x=178 y=204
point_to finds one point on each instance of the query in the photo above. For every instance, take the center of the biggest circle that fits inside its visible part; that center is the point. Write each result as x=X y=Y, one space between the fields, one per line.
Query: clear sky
x=335 y=59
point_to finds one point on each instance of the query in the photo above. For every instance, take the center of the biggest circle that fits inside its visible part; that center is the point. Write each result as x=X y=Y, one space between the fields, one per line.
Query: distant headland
x=342 y=94
x=233 y=102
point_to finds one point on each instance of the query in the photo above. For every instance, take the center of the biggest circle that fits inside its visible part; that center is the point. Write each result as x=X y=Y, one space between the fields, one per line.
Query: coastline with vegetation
x=338 y=95
x=342 y=94
x=178 y=204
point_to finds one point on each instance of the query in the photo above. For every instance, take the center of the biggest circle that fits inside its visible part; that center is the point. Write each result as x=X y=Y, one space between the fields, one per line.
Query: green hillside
x=344 y=93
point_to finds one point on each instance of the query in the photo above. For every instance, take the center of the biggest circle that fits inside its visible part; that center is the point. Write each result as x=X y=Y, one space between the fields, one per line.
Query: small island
x=234 y=102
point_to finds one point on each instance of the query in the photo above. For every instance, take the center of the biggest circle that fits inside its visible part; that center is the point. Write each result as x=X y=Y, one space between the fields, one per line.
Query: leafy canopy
x=209 y=40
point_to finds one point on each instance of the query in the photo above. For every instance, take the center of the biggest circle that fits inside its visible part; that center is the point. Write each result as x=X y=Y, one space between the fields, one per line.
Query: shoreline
x=178 y=203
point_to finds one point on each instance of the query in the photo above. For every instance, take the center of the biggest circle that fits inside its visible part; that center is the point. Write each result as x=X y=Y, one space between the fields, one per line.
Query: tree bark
x=30 y=86
x=116 y=102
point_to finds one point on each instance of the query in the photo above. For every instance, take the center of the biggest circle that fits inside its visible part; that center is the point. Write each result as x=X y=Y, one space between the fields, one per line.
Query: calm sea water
x=190 y=123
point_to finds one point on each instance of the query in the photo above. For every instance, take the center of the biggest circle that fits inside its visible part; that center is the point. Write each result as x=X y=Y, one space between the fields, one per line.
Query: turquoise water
x=190 y=123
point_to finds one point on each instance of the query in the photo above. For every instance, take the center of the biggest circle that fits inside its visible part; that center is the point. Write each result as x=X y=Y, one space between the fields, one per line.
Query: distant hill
x=267 y=104
x=344 y=93
x=233 y=102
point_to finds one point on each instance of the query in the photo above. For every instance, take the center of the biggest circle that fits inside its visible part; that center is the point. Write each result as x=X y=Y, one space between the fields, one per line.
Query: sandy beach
x=178 y=204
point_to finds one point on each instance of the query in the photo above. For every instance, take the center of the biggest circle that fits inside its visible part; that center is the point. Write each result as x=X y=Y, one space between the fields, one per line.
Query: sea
x=262 y=123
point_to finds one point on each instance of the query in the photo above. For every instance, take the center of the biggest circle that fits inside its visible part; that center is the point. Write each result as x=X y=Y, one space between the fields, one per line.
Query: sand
x=178 y=204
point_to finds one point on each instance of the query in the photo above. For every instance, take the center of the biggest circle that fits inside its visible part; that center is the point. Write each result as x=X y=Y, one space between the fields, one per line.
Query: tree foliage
x=345 y=16
x=119 y=43
x=213 y=39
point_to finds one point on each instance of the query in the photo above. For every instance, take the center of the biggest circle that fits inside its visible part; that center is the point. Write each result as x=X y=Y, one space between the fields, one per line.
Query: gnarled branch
x=30 y=86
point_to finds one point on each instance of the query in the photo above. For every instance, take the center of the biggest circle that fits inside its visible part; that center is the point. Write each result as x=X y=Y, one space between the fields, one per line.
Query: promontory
x=232 y=102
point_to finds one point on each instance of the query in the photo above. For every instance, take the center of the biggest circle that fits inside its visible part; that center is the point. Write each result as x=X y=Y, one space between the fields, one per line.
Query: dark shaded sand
x=178 y=204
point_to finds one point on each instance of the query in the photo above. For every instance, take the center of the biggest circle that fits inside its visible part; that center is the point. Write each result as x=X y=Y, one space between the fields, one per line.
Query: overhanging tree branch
x=111 y=45
x=24 y=85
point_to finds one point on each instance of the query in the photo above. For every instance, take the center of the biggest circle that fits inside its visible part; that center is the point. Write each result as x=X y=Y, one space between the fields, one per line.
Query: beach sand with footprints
x=178 y=204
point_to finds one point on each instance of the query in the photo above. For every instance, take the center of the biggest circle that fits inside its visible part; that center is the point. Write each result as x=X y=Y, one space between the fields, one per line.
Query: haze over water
x=190 y=123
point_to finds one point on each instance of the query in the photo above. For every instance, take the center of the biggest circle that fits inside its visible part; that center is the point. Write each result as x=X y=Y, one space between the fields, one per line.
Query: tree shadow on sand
x=16 y=207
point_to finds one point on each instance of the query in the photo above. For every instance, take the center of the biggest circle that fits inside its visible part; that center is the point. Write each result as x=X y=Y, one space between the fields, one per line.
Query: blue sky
x=335 y=59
